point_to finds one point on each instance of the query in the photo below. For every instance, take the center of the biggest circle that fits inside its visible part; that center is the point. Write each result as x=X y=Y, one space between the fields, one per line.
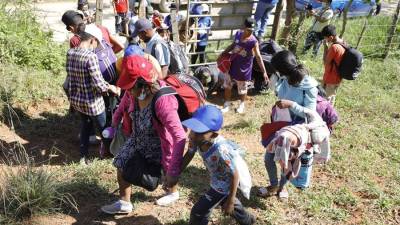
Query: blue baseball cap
x=204 y=119
x=133 y=49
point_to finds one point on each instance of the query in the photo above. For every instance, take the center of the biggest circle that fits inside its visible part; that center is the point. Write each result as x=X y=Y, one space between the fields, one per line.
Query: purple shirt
x=242 y=60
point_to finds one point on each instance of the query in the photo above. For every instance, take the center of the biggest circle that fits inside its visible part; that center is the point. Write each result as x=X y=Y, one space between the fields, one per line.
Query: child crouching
x=219 y=157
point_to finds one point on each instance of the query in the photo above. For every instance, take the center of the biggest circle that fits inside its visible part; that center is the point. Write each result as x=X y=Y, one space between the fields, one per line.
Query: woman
x=156 y=143
x=244 y=48
x=296 y=90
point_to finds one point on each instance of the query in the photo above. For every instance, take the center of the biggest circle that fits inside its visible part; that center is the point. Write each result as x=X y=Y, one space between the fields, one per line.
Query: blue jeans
x=261 y=15
x=201 y=211
x=87 y=123
x=270 y=165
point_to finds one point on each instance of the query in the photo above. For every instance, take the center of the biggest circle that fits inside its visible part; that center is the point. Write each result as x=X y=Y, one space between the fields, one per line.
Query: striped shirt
x=85 y=82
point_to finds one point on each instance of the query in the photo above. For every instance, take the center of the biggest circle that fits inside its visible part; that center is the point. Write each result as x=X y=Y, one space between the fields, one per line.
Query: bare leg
x=125 y=189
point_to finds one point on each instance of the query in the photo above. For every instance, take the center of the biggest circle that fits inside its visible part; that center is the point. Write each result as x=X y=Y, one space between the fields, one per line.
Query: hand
x=228 y=207
x=114 y=90
x=170 y=181
x=283 y=103
x=266 y=79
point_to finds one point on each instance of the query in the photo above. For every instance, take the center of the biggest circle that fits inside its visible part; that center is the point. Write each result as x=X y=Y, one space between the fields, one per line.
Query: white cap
x=93 y=30
x=205 y=8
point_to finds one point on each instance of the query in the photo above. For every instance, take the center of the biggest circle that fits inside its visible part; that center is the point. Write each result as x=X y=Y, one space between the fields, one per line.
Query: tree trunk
x=364 y=27
x=294 y=40
x=277 y=19
x=345 y=11
x=392 y=31
x=290 y=13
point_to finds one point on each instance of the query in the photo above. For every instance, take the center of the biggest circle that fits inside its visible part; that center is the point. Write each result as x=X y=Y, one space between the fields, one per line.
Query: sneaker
x=268 y=191
x=226 y=107
x=168 y=199
x=240 y=109
x=83 y=161
x=118 y=207
x=283 y=194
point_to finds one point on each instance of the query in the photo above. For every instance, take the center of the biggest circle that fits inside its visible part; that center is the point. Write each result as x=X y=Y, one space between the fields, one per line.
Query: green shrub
x=23 y=42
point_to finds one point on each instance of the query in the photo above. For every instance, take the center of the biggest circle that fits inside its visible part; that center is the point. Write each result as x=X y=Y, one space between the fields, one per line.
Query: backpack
x=351 y=63
x=187 y=89
x=270 y=47
x=178 y=61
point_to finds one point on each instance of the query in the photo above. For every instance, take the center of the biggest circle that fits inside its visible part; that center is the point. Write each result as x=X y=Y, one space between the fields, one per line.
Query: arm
x=116 y=45
x=187 y=158
x=97 y=80
x=260 y=62
x=167 y=113
x=230 y=200
x=119 y=112
x=310 y=102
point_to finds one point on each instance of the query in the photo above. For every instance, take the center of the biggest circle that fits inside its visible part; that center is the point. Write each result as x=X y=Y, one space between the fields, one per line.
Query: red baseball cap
x=134 y=67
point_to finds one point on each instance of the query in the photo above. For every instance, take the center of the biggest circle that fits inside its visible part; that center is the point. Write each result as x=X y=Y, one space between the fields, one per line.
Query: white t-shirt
x=326 y=14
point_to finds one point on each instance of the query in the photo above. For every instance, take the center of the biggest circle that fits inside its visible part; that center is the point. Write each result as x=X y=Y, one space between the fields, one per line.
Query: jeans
x=201 y=211
x=110 y=103
x=87 y=123
x=120 y=21
x=313 y=39
x=202 y=55
x=270 y=165
x=261 y=15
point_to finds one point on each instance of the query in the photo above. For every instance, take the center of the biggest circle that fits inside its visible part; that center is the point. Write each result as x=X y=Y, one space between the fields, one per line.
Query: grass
x=360 y=185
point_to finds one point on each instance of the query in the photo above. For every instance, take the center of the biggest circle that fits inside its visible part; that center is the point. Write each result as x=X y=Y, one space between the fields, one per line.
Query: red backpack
x=187 y=89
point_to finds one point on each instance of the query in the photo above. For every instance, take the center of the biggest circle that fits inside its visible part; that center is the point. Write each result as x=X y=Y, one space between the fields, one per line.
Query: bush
x=27 y=190
x=24 y=43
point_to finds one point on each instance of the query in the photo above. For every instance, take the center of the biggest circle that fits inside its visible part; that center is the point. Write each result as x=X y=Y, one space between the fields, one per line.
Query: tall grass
x=27 y=190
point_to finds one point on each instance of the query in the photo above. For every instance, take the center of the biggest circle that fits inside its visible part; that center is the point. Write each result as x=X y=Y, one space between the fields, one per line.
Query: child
x=219 y=158
x=202 y=35
x=287 y=147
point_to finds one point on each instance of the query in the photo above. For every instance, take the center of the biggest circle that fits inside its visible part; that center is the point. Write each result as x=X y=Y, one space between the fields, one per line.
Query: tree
x=277 y=19
x=345 y=11
x=290 y=13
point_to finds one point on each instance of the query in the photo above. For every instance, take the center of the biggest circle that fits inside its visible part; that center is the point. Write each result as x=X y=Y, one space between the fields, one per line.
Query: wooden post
x=364 y=27
x=277 y=19
x=392 y=31
x=142 y=9
x=344 y=24
x=295 y=36
x=290 y=14
x=99 y=12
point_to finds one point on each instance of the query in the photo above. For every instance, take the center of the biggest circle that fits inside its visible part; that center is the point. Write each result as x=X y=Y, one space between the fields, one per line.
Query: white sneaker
x=240 y=109
x=94 y=139
x=118 y=207
x=83 y=161
x=226 y=107
x=168 y=199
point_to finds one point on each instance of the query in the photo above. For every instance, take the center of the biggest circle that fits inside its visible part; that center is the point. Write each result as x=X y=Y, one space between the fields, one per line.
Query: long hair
x=286 y=64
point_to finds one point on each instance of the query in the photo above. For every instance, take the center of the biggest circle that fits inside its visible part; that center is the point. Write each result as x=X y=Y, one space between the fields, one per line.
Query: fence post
x=99 y=12
x=290 y=14
x=277 y=19
x=392 y=31
x=364 y=27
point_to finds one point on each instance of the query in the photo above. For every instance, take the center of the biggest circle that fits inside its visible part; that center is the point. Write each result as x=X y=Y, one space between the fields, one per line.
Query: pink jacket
x=170 y=131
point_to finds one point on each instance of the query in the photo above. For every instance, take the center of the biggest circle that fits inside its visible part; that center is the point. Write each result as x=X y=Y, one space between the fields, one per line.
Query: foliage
x=24 y=43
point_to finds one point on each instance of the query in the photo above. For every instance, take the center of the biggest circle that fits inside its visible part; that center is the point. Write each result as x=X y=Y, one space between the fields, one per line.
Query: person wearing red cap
x=155 y=144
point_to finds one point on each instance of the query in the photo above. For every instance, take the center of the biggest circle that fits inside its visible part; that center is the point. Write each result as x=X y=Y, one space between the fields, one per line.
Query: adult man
x=155 y=45
x=321 y=19
x=263 y=10
x=333 y=55
x=85 y=86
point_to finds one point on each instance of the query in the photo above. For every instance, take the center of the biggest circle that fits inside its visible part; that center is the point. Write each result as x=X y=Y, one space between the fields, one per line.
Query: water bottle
x=303 y=180
x=108 y=132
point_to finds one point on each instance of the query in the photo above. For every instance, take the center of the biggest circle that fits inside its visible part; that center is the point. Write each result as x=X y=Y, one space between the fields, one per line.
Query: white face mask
x=142 y=95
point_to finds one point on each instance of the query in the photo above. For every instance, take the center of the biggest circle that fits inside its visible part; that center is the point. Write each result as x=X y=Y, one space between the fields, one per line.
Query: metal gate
x=228 y=17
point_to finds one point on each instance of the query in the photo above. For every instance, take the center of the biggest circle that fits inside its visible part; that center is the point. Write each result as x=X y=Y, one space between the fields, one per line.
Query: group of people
x=153 y=148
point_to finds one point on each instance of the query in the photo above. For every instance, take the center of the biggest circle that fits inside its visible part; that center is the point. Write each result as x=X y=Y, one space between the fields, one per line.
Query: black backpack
x=178 y=61
x=351 y=63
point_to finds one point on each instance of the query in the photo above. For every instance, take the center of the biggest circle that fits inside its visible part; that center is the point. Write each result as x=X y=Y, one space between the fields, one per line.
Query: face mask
x=142 y=95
